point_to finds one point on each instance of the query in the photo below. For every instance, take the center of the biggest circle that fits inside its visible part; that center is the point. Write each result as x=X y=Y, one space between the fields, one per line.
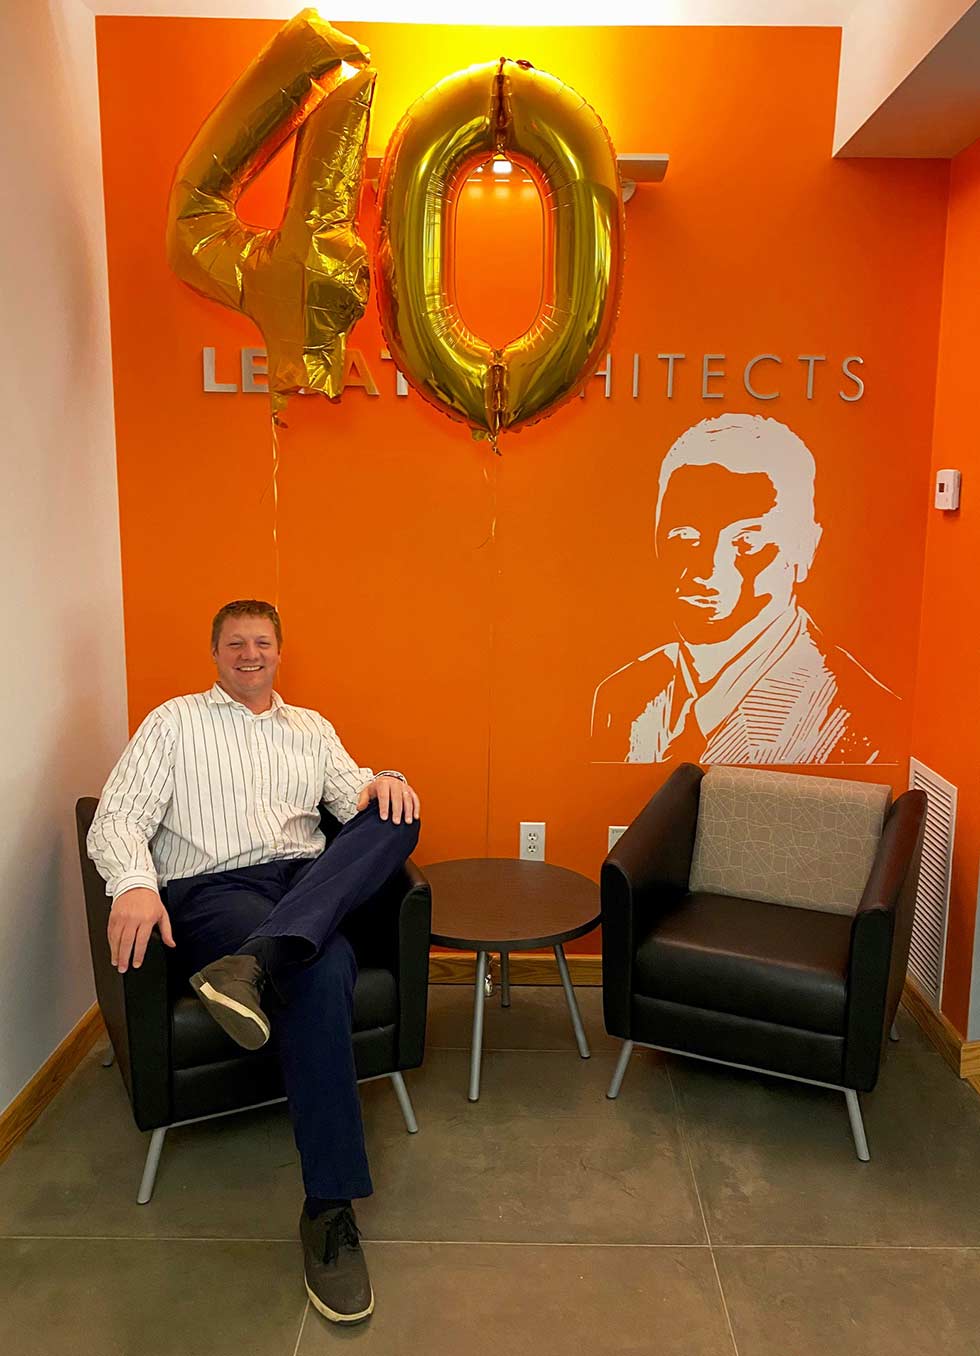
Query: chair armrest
x=648 y=868
x=414 y=933
x=148 y=1004
x=135 y=1006
x=393 y=931
x=880 y=937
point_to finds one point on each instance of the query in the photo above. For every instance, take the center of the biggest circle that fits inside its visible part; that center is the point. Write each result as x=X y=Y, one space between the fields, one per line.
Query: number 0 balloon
x=509 y=109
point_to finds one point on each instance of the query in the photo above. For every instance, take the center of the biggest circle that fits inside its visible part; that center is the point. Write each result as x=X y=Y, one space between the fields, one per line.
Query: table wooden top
x=497 y=903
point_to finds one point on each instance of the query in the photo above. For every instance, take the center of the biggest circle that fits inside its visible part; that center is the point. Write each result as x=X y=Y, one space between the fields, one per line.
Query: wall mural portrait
x=748 y=677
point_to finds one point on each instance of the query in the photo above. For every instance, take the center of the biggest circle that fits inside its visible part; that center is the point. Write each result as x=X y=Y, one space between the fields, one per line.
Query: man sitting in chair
x=749 y=678
x=214 y=805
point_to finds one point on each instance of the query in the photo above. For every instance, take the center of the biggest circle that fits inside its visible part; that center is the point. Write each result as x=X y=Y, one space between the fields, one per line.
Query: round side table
x=487 y=904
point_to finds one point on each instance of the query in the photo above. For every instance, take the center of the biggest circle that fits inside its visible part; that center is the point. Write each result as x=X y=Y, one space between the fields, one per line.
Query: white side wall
x=63 y=714
x=882 y=42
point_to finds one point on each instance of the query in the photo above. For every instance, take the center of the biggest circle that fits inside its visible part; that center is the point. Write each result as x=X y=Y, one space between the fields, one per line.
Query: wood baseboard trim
x=24 y=1110
x=526 y=967
x=963 y=1057
x=970 y=1060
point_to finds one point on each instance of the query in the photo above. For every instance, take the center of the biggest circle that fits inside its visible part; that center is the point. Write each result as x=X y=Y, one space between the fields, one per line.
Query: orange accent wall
x=947 y=697
x=450 y=611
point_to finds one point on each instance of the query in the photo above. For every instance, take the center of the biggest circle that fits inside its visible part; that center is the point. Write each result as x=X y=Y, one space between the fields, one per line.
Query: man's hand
x=131 y=920
x=391 y=794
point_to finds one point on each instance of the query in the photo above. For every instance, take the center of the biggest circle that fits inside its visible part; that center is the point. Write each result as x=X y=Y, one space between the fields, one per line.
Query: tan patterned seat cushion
x=787 y=839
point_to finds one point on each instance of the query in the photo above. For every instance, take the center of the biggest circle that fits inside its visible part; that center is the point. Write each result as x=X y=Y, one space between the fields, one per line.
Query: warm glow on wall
x=514 y=586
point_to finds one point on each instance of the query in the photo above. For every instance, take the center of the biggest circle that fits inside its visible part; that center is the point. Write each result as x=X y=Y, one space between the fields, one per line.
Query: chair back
x=785 y=838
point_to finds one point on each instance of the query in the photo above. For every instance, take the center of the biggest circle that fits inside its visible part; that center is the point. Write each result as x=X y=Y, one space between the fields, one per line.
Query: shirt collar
x=218 y=697
x=716 y=702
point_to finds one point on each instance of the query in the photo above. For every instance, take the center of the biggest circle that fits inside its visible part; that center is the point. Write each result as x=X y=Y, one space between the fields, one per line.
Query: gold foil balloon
x=306 y=283
x=509 y=109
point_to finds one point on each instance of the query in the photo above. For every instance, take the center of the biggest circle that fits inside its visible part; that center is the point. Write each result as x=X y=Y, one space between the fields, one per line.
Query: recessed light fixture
x=634 y=168
x=642 y=167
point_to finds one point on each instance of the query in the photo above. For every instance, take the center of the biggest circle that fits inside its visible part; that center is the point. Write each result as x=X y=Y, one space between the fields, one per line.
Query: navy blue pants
x=305 y=899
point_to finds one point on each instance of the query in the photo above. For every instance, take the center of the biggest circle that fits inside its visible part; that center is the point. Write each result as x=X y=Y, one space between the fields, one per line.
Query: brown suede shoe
x=337 y=1279
x=231 y=990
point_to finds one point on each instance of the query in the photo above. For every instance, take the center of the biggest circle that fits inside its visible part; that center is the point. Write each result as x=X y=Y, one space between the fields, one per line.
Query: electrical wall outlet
x=532 y=842
x=616 y=832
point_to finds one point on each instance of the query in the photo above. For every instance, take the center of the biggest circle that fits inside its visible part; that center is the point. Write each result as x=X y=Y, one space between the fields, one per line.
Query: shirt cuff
x=133 y=880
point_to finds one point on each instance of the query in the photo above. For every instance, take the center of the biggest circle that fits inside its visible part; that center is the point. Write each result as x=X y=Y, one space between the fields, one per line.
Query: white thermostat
x=947 y=489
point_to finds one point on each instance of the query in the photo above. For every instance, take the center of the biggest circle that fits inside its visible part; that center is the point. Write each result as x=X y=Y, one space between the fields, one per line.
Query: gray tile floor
x=706 y=1213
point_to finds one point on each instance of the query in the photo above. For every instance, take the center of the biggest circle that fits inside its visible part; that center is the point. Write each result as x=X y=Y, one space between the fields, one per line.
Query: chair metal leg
x=620 y=1071
x=893 y=1034
x=857 y=1125
x=151 y=1165
x=108 y=1058
x=566 y=983
x=505 y=979
x=476 y=1049
x=405 y=1102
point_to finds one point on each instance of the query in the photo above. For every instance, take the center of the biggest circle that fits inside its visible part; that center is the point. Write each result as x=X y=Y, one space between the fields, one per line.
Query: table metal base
x=480 y=997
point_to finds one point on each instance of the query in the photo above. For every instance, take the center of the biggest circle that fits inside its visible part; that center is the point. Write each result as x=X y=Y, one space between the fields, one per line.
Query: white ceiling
x=559 y=12
x=910 y=69
x=915 y=91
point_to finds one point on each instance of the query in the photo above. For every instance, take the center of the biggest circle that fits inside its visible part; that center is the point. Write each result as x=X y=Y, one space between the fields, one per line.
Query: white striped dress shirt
x=204 y=785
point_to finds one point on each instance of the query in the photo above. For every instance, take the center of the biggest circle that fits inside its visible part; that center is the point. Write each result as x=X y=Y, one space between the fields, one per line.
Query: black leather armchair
x=795 y=992
x=179 y=1066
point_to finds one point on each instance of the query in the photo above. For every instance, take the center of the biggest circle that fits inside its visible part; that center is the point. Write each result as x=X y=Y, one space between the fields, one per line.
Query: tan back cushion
x=787 y=839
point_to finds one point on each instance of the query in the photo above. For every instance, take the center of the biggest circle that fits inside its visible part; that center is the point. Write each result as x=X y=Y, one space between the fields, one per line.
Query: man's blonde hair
x=748 y=444
x=245 y=607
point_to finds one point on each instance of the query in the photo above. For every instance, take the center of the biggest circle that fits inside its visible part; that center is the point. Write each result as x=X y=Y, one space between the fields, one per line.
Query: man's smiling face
x=247 y=657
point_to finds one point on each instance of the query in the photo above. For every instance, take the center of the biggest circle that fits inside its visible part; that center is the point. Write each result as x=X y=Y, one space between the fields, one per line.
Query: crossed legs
x=301 y=905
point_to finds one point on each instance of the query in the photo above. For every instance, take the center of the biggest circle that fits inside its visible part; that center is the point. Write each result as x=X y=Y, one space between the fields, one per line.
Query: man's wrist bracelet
x=390 y=772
